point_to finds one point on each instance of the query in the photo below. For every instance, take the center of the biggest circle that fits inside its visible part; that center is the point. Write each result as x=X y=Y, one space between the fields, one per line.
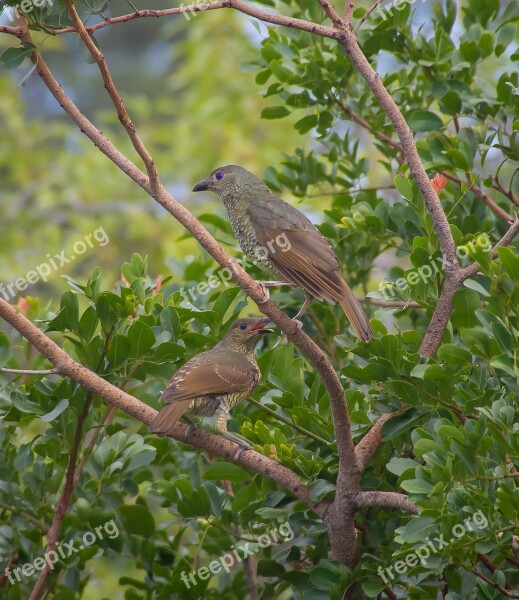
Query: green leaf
x=119 y=350
x=88 y=324
x=226 y=471
x=141 y=338
x=452 y=354
x=5 y=351
x=13 y=57
x=398 y=466
x=399 y=424
x=137 y=519
x=320 y=489
x=274 y=112
x=424 y=121
x=450 y=104
x=510 y=262
x=404 y=186
x=466 y=303
x=58 y=409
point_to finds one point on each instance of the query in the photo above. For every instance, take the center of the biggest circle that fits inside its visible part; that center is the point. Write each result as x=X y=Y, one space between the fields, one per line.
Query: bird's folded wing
x=218 y=374
x=308 y=262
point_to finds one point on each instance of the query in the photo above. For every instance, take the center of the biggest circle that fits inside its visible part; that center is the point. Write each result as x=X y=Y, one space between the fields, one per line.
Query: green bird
x=283 y=242
x=215 y=381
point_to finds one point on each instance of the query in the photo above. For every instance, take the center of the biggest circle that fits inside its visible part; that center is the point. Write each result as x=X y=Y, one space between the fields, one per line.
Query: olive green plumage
x=259 y=218
x=214 y=381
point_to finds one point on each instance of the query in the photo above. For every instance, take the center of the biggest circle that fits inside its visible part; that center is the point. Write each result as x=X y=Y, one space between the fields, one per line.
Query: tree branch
x=16 y=31
x=369 y=444
x=441 y=225
x=331 y=12
x=363 y=123
x=509 y=593
x=348 y=12
x=506 y=240
x=495 y=208
x=63 y=503
x=213 y=444
x=258 y=13
x=389 y=500
x=118 y=103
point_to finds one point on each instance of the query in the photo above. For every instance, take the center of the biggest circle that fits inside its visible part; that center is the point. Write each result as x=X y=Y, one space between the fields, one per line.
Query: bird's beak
x=201 y=186
x=261 y=327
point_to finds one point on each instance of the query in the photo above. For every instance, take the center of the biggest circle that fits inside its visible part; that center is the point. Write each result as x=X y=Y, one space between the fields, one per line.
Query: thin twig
x=64 y=501
x=118 y=103
x=508 y=593
x=363 y=123
x=288 y=422
x=29 y=371
x=28 y=517
x=365 y=16
x=391 y=303
x=239 y=5
x=348 y=12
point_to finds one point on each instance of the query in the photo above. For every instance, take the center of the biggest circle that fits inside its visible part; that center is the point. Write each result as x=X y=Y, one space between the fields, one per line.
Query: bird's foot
x=266 y=293
x=298 y=323
x=191 y=426
x=243 y=444
x=270 y=284
x=299 y=327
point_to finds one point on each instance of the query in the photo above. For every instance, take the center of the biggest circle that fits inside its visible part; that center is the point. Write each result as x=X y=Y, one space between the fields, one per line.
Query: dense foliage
x=453 y=445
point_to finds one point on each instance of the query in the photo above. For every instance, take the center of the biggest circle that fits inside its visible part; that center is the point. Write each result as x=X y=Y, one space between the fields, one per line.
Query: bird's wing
x=209 y=374
x=309 y=261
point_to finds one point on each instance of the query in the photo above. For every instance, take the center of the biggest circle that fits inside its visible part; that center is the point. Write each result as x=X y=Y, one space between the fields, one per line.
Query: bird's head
x=245 y=333
x=228 y=181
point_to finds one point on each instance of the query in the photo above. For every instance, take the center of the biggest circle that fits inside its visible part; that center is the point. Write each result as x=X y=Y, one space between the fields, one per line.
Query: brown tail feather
x=355 y=313
x=168 y=417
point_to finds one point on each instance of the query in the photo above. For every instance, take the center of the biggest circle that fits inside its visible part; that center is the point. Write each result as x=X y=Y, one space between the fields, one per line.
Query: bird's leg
x=222 y=416
x=269 y=284
x=302 y=310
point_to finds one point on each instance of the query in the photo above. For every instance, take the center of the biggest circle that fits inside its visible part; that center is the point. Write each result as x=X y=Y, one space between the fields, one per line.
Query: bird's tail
x=167 y=418
x=355 y=313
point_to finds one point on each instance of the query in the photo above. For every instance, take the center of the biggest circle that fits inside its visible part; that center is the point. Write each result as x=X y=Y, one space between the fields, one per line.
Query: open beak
x=261 y=327
x=201 y=186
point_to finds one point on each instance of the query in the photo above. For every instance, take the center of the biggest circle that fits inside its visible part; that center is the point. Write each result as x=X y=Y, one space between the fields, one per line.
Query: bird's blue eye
x=219 y=177
x=243 y=326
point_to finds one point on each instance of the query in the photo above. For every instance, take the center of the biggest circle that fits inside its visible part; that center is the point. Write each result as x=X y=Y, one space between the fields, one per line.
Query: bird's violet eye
x=242 y=325
x=219 y=177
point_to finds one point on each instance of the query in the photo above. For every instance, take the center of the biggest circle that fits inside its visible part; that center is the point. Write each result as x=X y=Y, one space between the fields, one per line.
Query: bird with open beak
x=215 y=381
x=259 y=218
